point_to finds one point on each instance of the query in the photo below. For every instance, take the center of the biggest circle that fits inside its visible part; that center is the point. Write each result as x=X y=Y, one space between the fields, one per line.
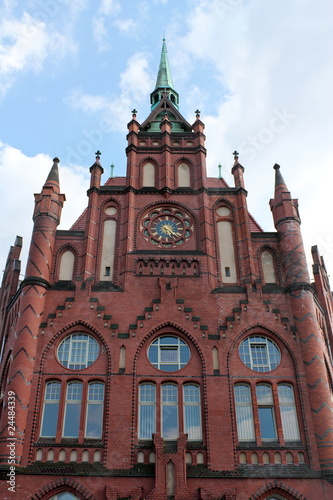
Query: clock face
x=167 y=227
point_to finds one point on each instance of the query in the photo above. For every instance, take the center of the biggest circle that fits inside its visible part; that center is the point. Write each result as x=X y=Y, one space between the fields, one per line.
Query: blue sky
x=260 y=71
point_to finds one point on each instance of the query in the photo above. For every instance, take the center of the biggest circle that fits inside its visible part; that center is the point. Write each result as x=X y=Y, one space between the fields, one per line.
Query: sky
x=260 y=71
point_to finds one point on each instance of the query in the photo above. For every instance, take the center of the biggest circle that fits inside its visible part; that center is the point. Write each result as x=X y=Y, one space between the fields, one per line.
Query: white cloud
x=24 y=45
x=125 y=25
x=135 y=83
x=100 y=33
x=28 y=175
x=109 y=7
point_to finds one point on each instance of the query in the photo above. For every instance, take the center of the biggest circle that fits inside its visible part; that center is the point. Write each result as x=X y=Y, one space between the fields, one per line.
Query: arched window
x=169 y=353
x=192 y=412
x=65 y=495
x=268 y=268
x=78 y=351
x=288 y=412
x=94 y=417
x=266 y=412
x=66 y=267
x=108 y=249
x=184 y=179
x=244 y=415
x=148 y=177
x=169 y=411
x=259 y=353
x=226 y=246
x=147 y=410
x=50 y=409
x=72 y=410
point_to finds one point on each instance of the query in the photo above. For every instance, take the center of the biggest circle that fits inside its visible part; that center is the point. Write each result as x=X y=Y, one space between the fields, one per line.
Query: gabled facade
x=166 y=347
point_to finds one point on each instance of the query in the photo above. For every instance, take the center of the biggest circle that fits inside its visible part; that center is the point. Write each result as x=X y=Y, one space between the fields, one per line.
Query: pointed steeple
x=164 y=78
x=53 y=177
x=283 y=206
x=280 y=185
x=164 y=83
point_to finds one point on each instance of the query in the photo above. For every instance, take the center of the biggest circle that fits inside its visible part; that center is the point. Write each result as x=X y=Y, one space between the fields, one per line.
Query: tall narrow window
x=288 y=412
x=169 y=412
x=227 y=251
x=184 y=175
x=94 y=417
x=51 y=409
x=268 y=268
x=148 y=178
x=266 y=412
x=72 y=410
x=244 y=415
x=108 y=250
x=66 y=266
x=147 y=411
x=192 y=412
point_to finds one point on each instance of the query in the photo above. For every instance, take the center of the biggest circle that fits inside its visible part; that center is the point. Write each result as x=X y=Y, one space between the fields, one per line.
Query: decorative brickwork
x=178 y=352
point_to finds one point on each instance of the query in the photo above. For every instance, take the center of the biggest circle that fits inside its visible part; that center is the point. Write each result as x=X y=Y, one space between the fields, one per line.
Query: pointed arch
x=62 y=485
x=268 y=265
x=277 y=488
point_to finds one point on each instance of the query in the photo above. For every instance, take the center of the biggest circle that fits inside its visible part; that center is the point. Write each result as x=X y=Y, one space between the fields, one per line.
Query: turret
x=22 y=347
x=305 y=313
x=287 y=223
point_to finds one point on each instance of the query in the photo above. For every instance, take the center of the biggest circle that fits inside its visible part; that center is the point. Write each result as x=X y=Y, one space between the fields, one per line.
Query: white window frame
x=94 y=402
x=90 y=351
x=196 y=405
x=289 y=418
x=143 y=404
x=69 y=402
x=50 y=402
x=249 y=433
x=166 y=404
x=269 y=403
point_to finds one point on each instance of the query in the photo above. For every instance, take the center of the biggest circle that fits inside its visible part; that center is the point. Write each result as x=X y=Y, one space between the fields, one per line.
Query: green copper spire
x=164 y=84
x=164 y=78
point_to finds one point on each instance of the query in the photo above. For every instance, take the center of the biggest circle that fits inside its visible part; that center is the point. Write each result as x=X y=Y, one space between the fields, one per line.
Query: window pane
x=72 y=420
x=147 y=420
x=73 y=409
x=51 y=409
x=259 y=353
x=244 y=415
x=169 y=402
x=169 y=353
x=288 y=412
x=50 y=420
x=267 y=426
x=147 y=411
x=94 y=420
x=78 y=351
x=170 y=422
x=94 y=416
x=192 y=412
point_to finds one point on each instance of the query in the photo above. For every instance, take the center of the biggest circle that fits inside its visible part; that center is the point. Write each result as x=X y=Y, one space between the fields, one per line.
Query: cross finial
x=134 y=112
x=236 y=154
x=197 y=113
x=98 y=154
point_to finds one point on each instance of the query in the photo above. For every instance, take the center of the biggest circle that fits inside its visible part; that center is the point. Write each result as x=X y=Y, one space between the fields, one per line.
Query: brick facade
x=184 y=261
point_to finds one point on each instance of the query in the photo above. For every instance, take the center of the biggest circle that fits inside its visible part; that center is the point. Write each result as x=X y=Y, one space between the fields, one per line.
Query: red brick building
x=165 y=346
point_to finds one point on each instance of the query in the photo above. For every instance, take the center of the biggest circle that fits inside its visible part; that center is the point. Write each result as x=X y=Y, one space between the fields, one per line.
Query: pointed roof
x=164 y=83
x=53 y=177
x=165 y=107
x=280 y=185
x=164 y=78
